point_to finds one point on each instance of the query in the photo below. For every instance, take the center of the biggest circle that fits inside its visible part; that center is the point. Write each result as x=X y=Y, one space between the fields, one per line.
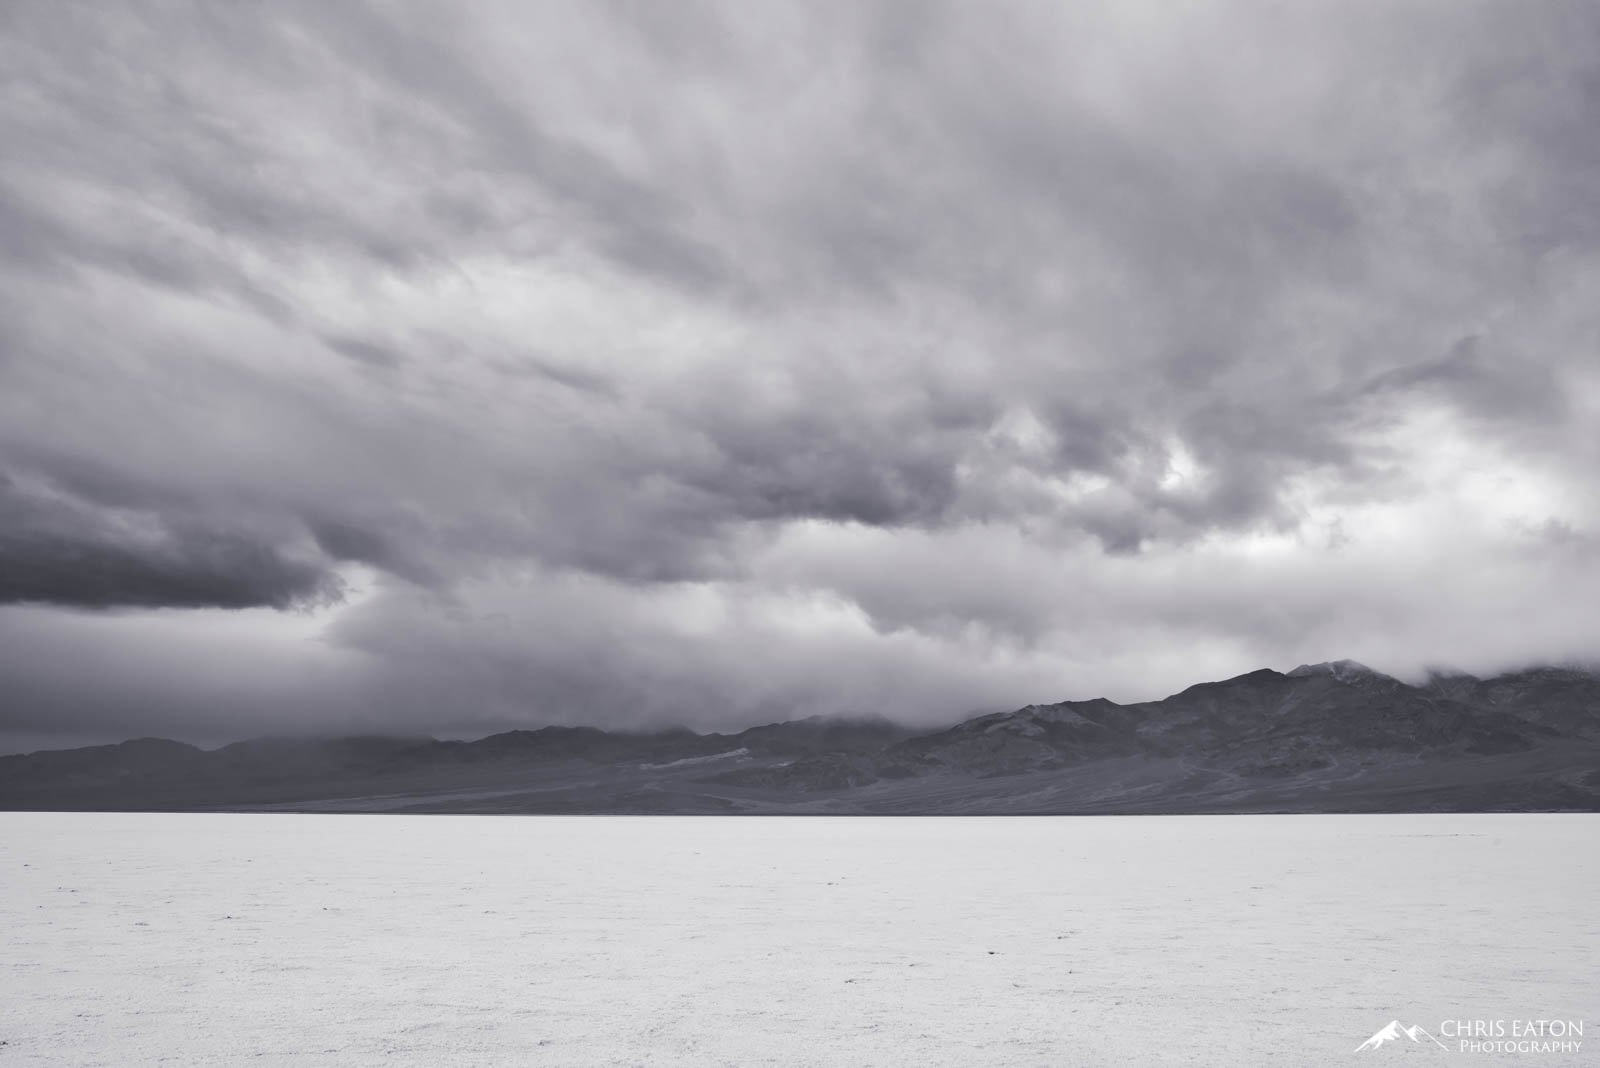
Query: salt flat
x=136 y=939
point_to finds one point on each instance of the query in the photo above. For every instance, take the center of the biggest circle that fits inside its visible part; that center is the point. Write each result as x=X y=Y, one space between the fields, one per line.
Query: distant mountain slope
x=1323 y=737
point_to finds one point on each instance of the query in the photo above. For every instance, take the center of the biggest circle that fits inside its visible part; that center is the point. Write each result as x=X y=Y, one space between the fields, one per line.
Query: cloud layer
x=383 y=367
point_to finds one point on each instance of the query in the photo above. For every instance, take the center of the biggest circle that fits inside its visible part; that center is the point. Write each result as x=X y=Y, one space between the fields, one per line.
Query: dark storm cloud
x=58 y=550
x=702 y=362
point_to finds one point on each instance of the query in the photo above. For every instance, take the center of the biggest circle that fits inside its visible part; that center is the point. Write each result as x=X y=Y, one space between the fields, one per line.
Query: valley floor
x=276 y=939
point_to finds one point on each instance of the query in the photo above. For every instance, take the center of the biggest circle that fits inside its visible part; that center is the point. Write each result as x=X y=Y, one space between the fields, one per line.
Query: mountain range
x=1333 y=737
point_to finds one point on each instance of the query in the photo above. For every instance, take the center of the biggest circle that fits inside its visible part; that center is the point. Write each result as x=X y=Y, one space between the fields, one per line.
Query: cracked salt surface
x=134 y=939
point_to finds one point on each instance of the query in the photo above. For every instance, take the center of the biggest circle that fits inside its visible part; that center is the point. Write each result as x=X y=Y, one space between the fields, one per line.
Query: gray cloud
x=626 y=364
x=58 y=550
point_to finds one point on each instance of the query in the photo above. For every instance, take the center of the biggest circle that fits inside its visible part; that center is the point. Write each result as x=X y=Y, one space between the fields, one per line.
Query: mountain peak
x=1341 y=670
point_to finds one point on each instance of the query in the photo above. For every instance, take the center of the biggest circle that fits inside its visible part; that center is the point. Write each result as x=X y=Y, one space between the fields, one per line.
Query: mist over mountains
x=1335 y=737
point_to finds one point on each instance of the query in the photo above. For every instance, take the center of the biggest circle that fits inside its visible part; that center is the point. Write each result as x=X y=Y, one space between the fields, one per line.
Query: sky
x=424 y=368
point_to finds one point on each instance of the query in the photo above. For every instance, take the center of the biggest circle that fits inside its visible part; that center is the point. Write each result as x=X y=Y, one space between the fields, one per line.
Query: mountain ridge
x=1335 y=736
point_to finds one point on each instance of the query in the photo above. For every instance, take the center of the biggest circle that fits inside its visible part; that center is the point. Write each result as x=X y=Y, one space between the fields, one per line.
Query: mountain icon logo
x=1392 y=1031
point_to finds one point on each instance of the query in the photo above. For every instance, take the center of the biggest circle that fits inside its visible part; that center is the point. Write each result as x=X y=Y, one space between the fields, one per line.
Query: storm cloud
x=383 y=366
